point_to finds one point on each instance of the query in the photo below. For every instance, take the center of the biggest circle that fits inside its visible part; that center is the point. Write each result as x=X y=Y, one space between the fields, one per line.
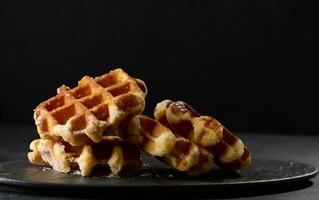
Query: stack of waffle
x=73 y=124
x=100 y=122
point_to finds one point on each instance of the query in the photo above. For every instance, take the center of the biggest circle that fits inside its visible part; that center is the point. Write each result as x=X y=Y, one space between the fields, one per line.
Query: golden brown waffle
x=90 y=109
x=228 y=150
x=159 y=141
x=63 y=157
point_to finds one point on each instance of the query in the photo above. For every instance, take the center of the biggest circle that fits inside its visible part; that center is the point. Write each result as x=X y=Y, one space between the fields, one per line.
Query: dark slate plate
x=20 y=175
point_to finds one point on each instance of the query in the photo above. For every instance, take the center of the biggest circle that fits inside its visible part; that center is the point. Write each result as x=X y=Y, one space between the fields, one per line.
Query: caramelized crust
x=228 y=150
x=87 y=111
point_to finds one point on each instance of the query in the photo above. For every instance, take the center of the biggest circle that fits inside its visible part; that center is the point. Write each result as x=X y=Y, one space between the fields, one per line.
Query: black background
x=249 y=64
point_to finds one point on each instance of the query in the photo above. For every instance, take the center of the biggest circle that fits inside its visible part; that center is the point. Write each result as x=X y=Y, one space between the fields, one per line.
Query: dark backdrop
x=249 y=64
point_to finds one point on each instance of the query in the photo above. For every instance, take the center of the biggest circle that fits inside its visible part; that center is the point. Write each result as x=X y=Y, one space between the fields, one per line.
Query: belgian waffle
x=63 y=157
x=228 y=150
x=159 y=141
x=90 y=109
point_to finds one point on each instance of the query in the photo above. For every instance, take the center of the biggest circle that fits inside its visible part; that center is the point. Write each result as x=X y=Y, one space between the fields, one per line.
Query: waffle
x=92 y=108
x=228 y=150
x=159 y=141
x=63 y=157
